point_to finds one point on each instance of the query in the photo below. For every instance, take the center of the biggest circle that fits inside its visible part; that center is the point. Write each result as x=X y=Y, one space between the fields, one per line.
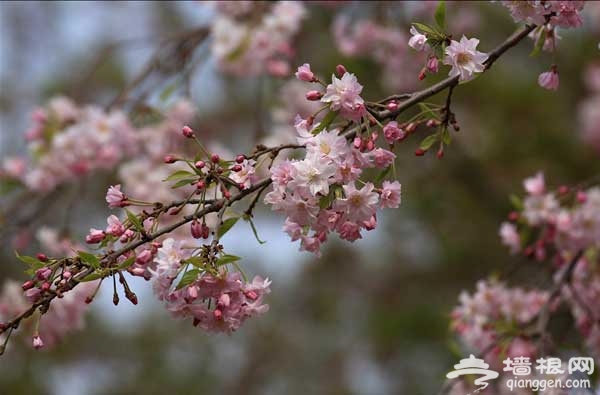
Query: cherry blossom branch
x=417 y=97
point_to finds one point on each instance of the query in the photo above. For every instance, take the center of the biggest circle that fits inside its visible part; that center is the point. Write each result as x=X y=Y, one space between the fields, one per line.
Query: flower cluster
x=217 y=302
x=564 y=14
x=565 y=221
x=492 y=310
x=64 y=315
x=67 y=142
x=319 y=193
x=254 y=38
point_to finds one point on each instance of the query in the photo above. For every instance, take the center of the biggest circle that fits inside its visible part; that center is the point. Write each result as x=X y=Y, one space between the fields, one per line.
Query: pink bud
x=200 y=164
x=305 y=74
x=340 y=70
x=218 y=314
x=240 y=159
x=215 y=158
x=236 y=168
x=43 y=273
x=314 y=95
x=196 y=229
x=200 y=184
x=432 y=64
x=420 y=152
x=42 y=257
x=581 y=197
x=392 y=106
x=37 y=342
x=252 y=295
x=187 y=132
x=549 y=79
x=169 y=159
x=27 y=285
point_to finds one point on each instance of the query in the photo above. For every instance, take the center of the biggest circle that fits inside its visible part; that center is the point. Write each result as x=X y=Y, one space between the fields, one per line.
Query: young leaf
x=31 y=261
x=539 y=44
x=446 y=136
x=254 y=230
x=327 y=120
x=429 y=141
x=189 y=277
x=92 y=277
x=516 y=202
x=226 y=225
x=135 y=221
x=196 y=261
x=225 y=259
x=126 y=263
x=440 y=15
x=90 y=259
x=426 y=29
x=179 y=174
x=184 y=182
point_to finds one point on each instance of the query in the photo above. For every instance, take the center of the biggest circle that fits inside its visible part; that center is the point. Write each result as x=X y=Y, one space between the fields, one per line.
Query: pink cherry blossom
x=464 y=58
x=391 y=194
x=114 y=196
x=359 y=204
x=535 y=185
x=510 y=237
x=305 y=74
x=418 y=41
x=343 y=94
x=549 y=80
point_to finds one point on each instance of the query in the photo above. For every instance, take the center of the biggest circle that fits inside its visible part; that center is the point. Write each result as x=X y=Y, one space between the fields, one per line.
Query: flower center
x=463 y=58
x=325 y=148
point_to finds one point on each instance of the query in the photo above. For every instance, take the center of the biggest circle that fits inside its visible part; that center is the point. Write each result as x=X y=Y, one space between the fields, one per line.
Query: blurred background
x=367 y=318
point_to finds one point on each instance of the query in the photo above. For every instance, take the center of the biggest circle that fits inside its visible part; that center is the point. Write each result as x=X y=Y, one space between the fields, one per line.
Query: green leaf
x=440 y=15
x=446 y=136
x=428 y=110
x=179 y=174
x=225 y=259
x=539 y=44
x=196 y=261
x=426 y=29
x=135 y=221
x=31 y=261
x=429 y=141
x=90 y=259
x=383 y=174
x=226 y=225
x=126 y=263
x=92 y=277
x=184 y=182
x=327 y=120
x=188 y=277
x=516 y=202
x=248 y=219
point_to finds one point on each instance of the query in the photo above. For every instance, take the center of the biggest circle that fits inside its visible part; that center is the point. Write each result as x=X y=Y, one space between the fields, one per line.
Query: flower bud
x=196 y=229
x=420 y=152
x=422 y=74
x=37 y=342
x=581 y=197
x=240 y=159
x=169 y=159
x=314 y=95
x=392 y=106
x=340 y=70
x=200 y=185
x=236 y=168
x=27 y=285
x=200 y=164
x=432 y=64
x=42 y=257
x=215 y=158
x=187 y=132
x=440 y=153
